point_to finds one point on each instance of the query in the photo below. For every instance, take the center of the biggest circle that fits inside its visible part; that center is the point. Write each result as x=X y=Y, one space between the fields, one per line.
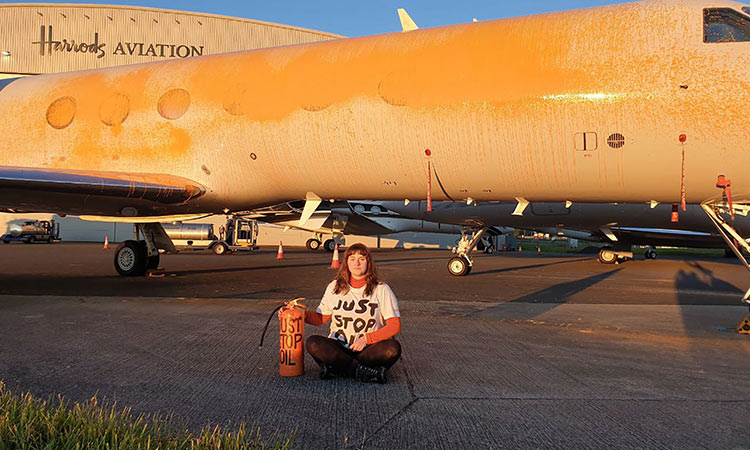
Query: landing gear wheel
x=490 y=249
x=607 y=256
x=459 y=266
x=130 y=258
x=650 y=253
x=152 y=262
x=220 y=248
x=329 y=245
x=312 y=244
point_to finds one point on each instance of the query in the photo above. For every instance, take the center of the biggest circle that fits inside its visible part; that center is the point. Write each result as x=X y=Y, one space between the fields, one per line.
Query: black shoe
x=370 y=374
x=326 y=371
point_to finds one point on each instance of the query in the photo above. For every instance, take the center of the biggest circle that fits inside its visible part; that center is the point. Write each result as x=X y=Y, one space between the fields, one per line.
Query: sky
x=358 y=17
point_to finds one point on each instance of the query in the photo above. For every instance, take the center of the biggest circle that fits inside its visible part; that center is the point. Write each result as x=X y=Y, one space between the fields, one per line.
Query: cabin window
x=725 y=25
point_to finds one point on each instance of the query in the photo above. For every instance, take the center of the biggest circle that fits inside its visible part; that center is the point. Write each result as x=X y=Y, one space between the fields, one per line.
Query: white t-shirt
x=353 y=314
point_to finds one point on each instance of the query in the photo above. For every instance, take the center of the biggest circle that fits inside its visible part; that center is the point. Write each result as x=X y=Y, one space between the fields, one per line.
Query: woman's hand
x=359 y=344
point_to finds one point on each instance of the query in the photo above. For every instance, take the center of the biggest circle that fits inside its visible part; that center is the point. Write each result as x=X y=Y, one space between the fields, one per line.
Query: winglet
x=406 y=23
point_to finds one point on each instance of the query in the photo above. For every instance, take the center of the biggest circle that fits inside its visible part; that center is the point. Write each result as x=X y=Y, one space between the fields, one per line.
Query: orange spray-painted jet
x=636 y=102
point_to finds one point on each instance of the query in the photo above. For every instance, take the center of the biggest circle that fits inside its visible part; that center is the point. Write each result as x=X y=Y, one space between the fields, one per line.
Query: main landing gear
x=136 y=257
x=314 y=242
x=460 y=264
x=329 y=245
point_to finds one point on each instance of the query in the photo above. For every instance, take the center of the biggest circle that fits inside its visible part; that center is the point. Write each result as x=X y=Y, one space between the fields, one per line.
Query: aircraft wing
x=339 y=216
x=96 y=193
x=644 y=236
x=357 y=223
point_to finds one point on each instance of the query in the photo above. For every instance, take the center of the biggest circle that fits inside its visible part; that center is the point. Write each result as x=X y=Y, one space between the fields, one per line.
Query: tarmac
x=553 y=351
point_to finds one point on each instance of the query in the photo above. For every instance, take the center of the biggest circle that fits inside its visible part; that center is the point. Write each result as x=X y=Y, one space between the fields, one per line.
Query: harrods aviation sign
x=49 y=45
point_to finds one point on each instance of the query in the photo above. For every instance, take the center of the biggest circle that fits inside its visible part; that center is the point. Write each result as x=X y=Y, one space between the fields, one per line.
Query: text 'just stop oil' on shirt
x=353 y=314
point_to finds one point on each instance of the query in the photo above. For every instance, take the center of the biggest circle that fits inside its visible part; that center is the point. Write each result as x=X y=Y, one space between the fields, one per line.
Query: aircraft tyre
x=458 y=266
x=220 y=248
x=152 y=262
x=312 y=244
x=490 y=249
x=329 y=245
x=131 y=259
x=650 y=253
x=607 y=256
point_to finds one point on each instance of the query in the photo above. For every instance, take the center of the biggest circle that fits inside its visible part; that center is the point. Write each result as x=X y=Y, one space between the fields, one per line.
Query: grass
x=27 y=422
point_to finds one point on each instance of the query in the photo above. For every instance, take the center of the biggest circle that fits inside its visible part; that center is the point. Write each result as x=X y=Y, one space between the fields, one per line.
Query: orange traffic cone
x=539 y=250
x=335 y=259
x=106 y=242
x=520 y=250
x=280 y=253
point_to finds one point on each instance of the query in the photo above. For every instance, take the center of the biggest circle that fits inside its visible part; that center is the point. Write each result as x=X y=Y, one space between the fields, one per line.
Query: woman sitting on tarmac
x=365 y=314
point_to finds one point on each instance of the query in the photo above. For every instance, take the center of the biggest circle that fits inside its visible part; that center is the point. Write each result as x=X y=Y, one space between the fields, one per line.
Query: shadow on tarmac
x=238 y=269
x=689 y=285
x=551 y=297
x=532 y=266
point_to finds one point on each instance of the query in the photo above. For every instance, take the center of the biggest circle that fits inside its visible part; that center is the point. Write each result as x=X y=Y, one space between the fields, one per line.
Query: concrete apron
x=472 y=375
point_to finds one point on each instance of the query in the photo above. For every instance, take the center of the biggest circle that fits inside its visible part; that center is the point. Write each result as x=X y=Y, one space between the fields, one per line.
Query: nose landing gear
x=460 y=265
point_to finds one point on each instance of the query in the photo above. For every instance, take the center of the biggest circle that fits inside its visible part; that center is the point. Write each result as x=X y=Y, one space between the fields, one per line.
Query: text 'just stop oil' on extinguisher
x=291 y=337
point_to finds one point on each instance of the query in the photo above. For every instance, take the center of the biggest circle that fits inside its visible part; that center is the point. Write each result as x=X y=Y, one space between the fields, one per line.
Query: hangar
x=44 y=38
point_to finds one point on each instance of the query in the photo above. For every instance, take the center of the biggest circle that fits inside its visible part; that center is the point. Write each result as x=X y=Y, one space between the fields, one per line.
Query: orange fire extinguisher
x=291 y=337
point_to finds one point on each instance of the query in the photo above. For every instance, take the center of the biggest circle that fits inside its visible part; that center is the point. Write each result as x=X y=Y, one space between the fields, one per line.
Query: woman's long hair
x=343 y=275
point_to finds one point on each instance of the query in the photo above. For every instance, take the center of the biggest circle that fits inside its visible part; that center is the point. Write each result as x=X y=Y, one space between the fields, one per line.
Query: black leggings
x=345 y=361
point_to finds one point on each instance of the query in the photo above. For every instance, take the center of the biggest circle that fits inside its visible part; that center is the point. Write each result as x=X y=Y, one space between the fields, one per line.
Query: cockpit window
x=746 y=9
x=725 y=25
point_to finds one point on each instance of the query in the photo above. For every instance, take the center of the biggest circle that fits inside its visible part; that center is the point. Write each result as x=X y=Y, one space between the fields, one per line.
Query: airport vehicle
x=620 y=226
x=32 y=231
x=591 y=105
x=237 y=234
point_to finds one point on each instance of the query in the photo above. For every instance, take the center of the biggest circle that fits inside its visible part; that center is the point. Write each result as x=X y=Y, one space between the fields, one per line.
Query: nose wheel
x=459 y=266
x=607 y=256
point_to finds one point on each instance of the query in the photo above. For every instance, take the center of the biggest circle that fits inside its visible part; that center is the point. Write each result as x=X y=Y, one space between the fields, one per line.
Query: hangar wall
x=47 y=38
